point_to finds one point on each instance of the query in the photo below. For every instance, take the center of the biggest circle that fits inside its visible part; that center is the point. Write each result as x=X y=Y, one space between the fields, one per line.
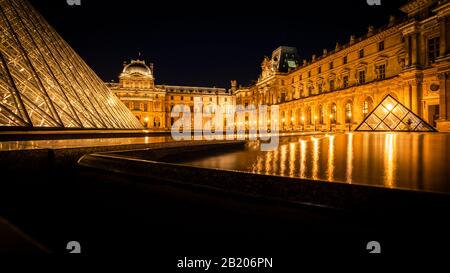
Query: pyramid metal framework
x=390 y=115
x=45 y=84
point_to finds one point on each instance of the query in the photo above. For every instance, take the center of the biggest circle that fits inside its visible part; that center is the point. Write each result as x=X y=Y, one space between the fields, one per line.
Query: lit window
x=381 y=72
x=333 y=116
x=366 y=107
x=331 y=85
x=348 y=112
x=362 y=77
x=345 y=81
x=321 y=115
x=433 y=49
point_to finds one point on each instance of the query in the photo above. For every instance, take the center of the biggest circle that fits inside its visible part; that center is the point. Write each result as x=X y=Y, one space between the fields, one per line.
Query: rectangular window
x=300 y=78
x=361 y=53
x=345 y=81
x=362 y=77
x=320 y=88
x=433 y=49
x=381 y=72
x=171 y=97
x=331 y=65
x=345 y=60
x=309 y=74
x=319 y=70
x=182 y=98
x=381 y=46
x=331 y=85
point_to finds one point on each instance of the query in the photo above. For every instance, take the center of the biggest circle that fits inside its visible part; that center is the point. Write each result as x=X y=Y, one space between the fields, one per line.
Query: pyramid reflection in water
x=391 y=115
x=44 y=83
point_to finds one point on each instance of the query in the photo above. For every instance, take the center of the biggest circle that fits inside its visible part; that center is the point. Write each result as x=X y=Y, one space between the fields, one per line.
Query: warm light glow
x=390 y=107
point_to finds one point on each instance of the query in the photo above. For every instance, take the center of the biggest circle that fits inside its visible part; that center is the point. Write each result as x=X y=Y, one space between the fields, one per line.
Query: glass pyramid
x=391 y=115
x=44 y=83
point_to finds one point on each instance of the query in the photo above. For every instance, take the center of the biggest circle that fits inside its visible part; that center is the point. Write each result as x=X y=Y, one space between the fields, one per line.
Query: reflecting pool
x=418 y=161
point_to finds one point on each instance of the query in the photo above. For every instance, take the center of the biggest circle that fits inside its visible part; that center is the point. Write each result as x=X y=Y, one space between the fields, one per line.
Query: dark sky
x=206 y=43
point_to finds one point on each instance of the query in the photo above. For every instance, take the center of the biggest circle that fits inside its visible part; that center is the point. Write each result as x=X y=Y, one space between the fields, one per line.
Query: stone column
x=407 y=52
x=414 y=49
x=443 y=50
x=444 y=96
x=407 y=96
x=416 y=97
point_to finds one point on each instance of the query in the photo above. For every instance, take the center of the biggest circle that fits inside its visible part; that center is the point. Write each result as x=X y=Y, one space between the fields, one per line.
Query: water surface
x=418 y=161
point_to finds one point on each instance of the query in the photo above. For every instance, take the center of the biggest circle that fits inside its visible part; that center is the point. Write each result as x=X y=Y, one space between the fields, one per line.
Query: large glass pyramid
x=44 y=83
x=391 y=115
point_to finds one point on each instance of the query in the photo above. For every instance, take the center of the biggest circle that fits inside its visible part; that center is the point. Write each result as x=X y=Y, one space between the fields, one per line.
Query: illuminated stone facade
x=152 y=104
x=408 y=59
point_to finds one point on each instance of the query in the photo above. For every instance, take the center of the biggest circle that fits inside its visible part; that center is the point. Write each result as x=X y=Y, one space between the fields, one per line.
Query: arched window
x=333 y=113
x=367 y=106
x=348 y=112
x=321 y=115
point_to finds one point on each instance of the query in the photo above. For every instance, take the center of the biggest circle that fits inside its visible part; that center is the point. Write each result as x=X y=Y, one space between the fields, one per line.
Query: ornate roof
x=137 y=67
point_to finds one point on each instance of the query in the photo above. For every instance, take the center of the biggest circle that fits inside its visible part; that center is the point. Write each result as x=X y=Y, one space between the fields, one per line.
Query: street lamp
x=349 y=122
x=146 y=122
x=331 y=123
x=303 y=123
x=315 y=123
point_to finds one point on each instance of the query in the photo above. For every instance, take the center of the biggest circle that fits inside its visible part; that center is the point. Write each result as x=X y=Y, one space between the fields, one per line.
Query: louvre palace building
x=152 y=104
x=408 y=59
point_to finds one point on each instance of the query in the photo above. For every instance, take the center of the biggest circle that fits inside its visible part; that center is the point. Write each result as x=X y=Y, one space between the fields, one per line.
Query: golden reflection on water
x=284 y=152
x=315 y=168
x=330 y=169
x=292 y=158
x=390 y=164
x=405 y=160
x=349 y=158
x=303 y=144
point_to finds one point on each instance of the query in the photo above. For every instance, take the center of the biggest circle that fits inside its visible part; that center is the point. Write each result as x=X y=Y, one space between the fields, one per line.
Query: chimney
x=391 y=20
x=234 y=85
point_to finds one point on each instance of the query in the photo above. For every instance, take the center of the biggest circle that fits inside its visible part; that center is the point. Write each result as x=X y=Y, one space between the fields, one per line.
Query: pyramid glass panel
x=44 y=83
x=391 y=115
x=400 y=111
x=392 y=121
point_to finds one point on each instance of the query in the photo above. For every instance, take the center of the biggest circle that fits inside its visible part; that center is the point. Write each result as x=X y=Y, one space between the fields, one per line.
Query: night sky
x=206 y=43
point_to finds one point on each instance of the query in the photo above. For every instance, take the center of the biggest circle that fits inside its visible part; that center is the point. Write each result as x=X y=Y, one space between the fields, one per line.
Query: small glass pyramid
x=391 y=115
